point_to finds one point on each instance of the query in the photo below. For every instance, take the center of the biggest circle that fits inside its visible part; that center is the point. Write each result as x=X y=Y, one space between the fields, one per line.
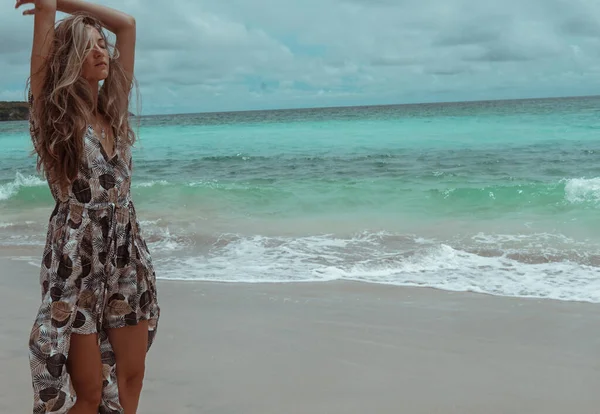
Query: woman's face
x=96 y=64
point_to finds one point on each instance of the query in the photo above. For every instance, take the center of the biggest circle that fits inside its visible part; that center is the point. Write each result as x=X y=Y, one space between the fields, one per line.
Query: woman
x=99 y=310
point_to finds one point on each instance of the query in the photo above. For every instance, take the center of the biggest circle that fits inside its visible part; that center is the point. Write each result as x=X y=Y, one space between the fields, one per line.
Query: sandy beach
x=340 y=347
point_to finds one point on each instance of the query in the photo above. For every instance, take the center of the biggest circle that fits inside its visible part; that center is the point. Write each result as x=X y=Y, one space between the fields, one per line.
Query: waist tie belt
x=111 y=243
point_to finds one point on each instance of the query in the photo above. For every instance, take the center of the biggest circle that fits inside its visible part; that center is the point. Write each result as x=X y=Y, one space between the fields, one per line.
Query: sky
x=229 y=55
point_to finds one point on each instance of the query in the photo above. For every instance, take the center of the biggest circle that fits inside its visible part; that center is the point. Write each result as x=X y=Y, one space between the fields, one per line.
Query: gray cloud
x=502 y=53
x=581 y=26
x=448 y=71
x=393 y=61
x=467 y=35
x=235 y=54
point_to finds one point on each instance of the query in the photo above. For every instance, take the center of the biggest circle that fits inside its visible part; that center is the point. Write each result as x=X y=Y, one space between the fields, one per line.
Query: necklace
x=101 y=125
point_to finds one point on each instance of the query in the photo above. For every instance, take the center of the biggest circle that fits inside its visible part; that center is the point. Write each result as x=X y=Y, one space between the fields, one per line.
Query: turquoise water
x=497 y=197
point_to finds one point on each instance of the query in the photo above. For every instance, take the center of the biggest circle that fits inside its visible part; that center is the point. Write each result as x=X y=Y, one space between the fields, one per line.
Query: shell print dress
x=96 y=274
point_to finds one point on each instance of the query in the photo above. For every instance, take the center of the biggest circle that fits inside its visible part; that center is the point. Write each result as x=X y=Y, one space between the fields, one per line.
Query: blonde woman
x=99 y=309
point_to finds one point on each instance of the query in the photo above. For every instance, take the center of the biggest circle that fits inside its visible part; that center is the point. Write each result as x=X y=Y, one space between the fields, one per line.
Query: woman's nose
x=97 y=50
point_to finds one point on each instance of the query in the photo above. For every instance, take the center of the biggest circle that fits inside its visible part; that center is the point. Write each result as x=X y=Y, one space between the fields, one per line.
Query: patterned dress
x=96 y=273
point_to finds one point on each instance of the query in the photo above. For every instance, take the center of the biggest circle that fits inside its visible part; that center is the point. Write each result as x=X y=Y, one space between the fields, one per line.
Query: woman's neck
x=94 y=91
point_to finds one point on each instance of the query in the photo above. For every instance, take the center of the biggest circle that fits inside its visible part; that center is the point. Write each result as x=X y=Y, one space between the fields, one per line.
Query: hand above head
x=37 y=5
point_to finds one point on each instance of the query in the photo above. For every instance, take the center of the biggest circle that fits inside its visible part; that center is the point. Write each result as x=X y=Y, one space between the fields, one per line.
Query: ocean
x=497 y=197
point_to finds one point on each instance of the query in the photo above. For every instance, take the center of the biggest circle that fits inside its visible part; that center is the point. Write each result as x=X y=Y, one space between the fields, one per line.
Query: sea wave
x=272 y=196
x=10 y=189
x=152 y=183
x=533 y=272
x=567 y=191
x=583 y=190
x=534 y=265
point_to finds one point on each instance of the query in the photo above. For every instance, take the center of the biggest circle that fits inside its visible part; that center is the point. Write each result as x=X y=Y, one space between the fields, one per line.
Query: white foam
x=446 y=268
x=581 y=190
x=22 y=240
x=150 y=184
x=205 y=183
x=145 y=223
x=4 y=225
x=549 y=242
x=160 y=239
x=364 y=258
x=10 y=189
x=264 y=259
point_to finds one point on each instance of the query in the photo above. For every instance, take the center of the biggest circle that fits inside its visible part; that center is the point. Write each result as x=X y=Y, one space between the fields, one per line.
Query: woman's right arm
x=43 y=35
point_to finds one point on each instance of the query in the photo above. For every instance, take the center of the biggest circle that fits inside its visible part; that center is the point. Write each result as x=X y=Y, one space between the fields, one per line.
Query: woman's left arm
x=121 y=24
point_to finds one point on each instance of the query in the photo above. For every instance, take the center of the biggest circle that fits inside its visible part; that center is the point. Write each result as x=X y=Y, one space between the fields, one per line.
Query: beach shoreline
x=340 y=347
x=461 y=197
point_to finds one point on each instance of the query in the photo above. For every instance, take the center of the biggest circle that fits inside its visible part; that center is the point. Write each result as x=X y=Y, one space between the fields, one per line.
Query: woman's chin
x=101 y=76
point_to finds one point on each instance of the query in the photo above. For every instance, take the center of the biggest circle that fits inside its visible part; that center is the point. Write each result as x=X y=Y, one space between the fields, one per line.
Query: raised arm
x=121 y=24
x=43 y=35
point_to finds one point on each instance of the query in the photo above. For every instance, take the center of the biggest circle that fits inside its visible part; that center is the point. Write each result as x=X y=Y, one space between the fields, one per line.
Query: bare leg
x=85 y=368
x=129 y=345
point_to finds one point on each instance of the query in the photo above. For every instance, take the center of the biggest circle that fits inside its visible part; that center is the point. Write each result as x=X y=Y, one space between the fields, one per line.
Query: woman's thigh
x=85 y=364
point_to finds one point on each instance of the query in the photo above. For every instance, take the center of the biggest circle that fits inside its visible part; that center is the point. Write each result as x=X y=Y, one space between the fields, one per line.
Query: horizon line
x=375 y=105
x=305 y=108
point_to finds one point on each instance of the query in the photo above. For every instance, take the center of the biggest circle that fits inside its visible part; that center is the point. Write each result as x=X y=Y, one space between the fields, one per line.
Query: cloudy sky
x=219 y=55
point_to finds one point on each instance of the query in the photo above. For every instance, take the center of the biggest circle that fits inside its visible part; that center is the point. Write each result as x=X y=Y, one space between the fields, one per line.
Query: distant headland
x=14 y=111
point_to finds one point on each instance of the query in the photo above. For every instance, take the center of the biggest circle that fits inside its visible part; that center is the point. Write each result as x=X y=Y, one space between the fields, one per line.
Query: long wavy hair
x=65 y=107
